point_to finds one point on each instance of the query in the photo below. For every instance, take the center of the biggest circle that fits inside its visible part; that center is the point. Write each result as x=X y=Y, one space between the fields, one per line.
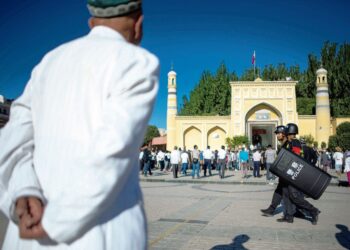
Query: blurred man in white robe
x=69 y=154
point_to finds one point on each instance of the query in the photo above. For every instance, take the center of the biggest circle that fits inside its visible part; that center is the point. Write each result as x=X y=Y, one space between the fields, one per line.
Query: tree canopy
x=212 y=94
x=151 y=132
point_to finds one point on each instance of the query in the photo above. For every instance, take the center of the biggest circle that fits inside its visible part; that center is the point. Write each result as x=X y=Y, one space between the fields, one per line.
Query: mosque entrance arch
x=261 y=121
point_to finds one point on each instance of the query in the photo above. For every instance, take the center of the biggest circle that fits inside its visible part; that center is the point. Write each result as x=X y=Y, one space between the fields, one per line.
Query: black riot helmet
x=280 y=129
x=292 y=128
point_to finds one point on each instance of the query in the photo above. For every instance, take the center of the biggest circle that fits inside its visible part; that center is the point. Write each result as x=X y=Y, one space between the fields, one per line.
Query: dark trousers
x=161 y=163
x=222 y=165
x=207 y=165
x=175 y=170
x=277 y=195
x=296 y=197
x=256 y=171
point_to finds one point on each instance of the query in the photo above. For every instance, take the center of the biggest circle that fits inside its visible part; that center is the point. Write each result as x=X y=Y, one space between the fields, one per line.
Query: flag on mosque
x=253 y=58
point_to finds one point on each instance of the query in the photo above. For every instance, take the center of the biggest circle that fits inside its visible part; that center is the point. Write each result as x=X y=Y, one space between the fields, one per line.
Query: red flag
x=253 y=58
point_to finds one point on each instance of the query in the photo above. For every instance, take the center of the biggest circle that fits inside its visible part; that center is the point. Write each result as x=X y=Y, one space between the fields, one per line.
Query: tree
x=342 y=137
x=151 y=132
x=306 y=106
x=344 y=141
x=343 y=128
x=333 y=142
x=212 y=95
x=309 y=139
x=323 y=145
x=237 y=141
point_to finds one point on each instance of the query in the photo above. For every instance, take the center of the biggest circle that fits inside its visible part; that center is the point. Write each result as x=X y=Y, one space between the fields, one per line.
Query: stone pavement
x=212 y=216
x=231 y=177
x=197 y=216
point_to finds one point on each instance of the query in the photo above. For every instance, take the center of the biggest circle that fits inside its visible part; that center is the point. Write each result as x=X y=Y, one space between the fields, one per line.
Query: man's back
x=71 y=89
x=90 y=101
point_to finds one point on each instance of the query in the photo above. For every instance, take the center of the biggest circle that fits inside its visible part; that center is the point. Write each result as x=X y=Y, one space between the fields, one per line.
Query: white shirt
x=338 y=157
x=160 y=156
x=175 y=157
x=207 y=154
x=222 y=154
x=257 y=156
x=85 y=110
x=347 y=165
x=184 y=157
x=141 y=155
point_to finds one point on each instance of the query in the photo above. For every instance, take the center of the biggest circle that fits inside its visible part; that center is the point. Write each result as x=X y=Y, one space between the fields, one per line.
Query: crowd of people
x=201 y=163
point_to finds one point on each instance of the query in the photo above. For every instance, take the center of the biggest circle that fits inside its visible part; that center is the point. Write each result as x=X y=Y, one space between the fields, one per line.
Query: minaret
x=323 y=116
x=171 y=111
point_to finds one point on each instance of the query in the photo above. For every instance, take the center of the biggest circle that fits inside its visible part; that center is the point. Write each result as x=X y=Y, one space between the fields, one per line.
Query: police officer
x=277 y=195
x=292 y=195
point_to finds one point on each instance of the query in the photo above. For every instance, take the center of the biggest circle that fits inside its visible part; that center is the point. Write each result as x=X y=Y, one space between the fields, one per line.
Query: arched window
x=323 y=79
x=172 y=81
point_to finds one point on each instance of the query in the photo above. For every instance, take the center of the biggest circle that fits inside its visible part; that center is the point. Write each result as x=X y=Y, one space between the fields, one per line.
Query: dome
x=321 y=71
x=172 y=73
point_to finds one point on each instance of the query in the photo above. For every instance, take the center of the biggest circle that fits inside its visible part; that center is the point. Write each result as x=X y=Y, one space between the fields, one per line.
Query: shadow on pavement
x=343 y=183
x=237 y=243
x=343 y=237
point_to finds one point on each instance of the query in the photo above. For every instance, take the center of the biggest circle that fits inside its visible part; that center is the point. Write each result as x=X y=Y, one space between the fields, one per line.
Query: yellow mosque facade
x=257 y=107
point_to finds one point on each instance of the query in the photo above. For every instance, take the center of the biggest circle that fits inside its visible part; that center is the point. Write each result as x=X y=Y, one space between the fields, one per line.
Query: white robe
x=73 y=139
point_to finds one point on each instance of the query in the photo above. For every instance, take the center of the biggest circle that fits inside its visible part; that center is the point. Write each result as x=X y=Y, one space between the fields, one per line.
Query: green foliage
x=212 y=95
x=309 y=139
x=237 y=141
x=343 y=128
x=323 y=145
x=333 y=142
x=315 y=144
x=248 y=75
x=151 y=132
x=342 y=138
x=344 y=141
x=306 y=106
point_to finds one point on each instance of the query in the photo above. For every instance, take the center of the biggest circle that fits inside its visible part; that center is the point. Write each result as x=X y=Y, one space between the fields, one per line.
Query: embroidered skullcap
x=113 y=8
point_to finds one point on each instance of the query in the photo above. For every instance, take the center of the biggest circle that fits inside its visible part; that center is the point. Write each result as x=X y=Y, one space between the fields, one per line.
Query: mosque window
x=319 y=80
x=172 y=81
x=323 y=79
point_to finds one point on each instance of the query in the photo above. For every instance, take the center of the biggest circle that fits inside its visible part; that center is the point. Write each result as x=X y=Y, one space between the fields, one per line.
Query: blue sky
x=195 y=35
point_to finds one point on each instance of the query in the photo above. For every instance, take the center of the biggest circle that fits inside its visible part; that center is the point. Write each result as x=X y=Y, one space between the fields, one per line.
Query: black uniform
x=278 y=194
x=292 y=196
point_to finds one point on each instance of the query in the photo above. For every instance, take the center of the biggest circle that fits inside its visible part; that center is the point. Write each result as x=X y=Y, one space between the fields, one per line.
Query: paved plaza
x=211 y=215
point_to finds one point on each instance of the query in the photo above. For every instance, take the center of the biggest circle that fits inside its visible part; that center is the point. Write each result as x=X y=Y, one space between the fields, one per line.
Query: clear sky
x=195 y=35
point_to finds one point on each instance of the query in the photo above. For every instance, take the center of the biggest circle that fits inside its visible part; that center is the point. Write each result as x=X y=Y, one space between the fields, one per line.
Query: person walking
x=78 y=170
x=347 y=165
x=175 y=160
x=161 y=159
x=195 y=162
x=338 y=158
x=281 y=135
x=184 y=162
x=222 y=162
x=270 y=155
x=208 y=157
x=292 y=195
x=257 y=163
x=244 y=160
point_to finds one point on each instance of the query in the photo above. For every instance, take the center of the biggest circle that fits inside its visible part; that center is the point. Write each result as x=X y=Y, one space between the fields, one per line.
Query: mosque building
x=257 y=107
